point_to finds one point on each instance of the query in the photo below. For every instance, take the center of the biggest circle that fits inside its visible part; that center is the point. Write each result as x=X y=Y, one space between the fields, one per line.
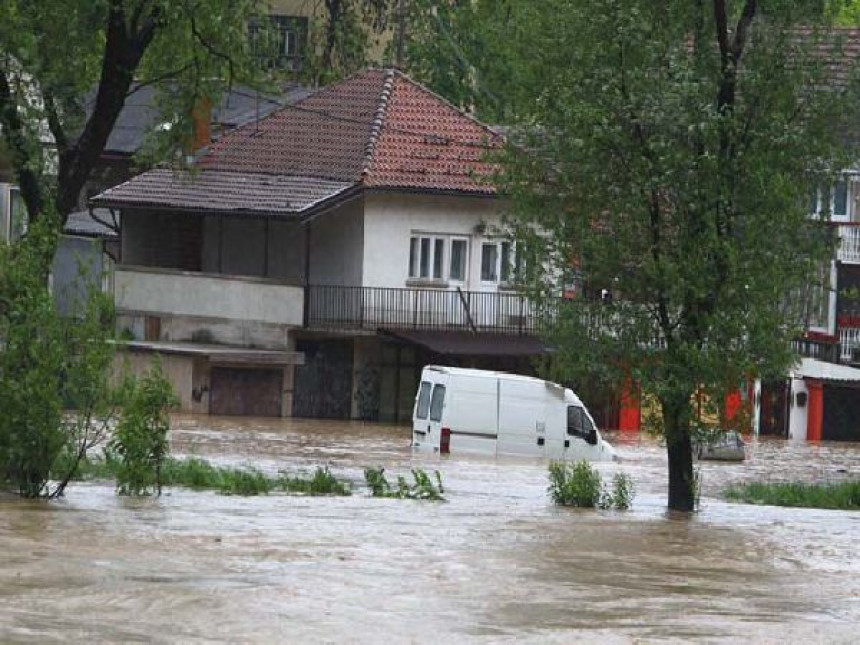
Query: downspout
x=307 y=276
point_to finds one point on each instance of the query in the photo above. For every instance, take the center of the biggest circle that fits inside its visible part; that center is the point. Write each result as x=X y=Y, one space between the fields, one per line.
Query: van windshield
x=437 y=402
x=423 y=406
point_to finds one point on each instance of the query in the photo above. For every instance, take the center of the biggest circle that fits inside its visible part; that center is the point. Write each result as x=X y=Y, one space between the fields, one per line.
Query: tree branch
x=742 y=28
x=158 y=79
x=13 y=132
x=123 y=52
x=54 y=122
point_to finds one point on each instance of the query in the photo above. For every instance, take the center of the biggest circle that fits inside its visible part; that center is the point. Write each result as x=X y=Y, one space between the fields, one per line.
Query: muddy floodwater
x=495 y=563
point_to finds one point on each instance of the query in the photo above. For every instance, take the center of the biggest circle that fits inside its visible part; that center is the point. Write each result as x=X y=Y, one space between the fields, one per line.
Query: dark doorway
x=323 y=385
x=245 y=392
x=773 y=419
x=841 y=419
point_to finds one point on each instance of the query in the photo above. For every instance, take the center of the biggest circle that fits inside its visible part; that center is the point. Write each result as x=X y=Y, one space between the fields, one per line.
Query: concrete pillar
x=289 y=383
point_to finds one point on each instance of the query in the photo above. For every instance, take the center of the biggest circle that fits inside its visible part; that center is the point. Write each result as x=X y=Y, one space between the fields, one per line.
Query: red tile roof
x=378 y=129
x=426 y=143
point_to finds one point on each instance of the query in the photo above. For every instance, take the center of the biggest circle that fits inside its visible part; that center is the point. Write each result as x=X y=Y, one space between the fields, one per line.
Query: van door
x=582 y=440
x=422 y=438
x=434 y=420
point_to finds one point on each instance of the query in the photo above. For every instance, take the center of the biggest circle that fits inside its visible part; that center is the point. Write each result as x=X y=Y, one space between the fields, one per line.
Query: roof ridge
x=378 y=119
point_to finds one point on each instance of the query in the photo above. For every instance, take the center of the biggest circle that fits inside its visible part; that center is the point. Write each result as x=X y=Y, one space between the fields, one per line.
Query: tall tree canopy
x=666 y=152
x=54 y=53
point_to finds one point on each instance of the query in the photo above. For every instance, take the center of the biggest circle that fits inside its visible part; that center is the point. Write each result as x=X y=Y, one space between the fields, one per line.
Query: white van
x=494 y=413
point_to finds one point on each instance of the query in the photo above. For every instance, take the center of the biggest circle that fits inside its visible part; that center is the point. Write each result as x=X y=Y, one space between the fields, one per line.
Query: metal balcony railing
x=849 y=243
x=823 y=350
x=849 y=341
x=371 y=308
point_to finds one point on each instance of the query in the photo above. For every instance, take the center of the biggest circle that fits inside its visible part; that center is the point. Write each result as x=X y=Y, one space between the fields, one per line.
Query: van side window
x=423 y=401
x=578 y=424
x=437 y=402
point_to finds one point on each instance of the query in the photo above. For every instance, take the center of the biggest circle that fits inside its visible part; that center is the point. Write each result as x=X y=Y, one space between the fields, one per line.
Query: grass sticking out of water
x=199 y=474
x=844 y=496
x=423 y=488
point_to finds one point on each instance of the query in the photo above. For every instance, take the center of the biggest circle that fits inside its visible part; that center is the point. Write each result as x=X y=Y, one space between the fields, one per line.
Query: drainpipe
x=306 y=311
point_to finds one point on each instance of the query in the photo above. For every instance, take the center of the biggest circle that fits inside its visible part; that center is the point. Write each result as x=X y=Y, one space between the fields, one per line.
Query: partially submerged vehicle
x=721 y=446
x=495 y=413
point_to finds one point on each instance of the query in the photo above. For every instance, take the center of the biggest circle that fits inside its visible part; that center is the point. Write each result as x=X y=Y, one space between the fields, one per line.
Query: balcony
x=172 y=292
x=822 y=349
x=849 y=243
x=371 y=308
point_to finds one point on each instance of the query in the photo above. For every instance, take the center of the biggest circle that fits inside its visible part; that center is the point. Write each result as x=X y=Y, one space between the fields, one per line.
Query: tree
x=666 y=152
x=48 y=363
x=462 y=50
x=342 y=40
x=54 y=52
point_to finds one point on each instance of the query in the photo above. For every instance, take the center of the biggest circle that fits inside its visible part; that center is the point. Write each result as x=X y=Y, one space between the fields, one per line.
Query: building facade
x=316 y=259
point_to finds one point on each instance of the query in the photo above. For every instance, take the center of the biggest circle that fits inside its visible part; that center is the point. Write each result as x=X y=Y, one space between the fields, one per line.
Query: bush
x=422 y=488
x=140 y=441
x=580 y=485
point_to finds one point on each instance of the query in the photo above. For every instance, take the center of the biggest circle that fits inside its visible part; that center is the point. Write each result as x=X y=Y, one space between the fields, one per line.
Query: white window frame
x=501 y=278
x=450 y=253
x=831 y=193
x=416 y=257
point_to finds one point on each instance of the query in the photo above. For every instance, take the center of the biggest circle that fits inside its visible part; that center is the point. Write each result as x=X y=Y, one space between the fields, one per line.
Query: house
x=820 y=398
x=311 y=262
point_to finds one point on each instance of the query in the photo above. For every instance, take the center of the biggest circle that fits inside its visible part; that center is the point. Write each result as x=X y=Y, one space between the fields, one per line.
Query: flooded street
x=496 y=563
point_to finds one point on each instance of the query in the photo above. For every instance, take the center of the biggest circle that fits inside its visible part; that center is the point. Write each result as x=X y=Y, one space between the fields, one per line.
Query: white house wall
x=338 y=246
x=390 y=219
x=798 y=415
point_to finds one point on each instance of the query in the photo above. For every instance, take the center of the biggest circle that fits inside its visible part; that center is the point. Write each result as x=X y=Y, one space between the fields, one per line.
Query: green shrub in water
x=322 y=483
x=199 y=474
x=140 y=441
x=422 y=488
x=842 y=496
x=580 y=485
x=623 y=492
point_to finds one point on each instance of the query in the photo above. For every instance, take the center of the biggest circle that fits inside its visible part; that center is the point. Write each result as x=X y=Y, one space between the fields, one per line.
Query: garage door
x=245 y=392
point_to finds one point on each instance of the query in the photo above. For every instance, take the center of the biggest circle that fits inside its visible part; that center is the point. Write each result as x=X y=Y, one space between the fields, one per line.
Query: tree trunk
x=682 y=485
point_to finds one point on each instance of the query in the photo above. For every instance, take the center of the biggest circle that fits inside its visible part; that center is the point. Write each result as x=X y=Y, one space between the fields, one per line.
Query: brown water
x=496 y=563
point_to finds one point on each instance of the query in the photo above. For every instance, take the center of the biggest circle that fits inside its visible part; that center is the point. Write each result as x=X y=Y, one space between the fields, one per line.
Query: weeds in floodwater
x=842 y=496
x=422 y=488
x=199 y=474
x=322 y=483
x=580 y=485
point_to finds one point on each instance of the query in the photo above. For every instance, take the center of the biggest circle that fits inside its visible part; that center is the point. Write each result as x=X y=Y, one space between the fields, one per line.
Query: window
x=832 y=201
x=457 y=270
x=840 y=199
x=578 y=423
x=426 y=257
x=490 y=262
x=429 y=258
x=437 y=403
x=280 y=42
x=17 y=215
x=500 y=262
x=423 y=405
x=506 y=264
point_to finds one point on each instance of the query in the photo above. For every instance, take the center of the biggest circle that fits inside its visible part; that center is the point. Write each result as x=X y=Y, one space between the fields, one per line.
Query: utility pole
x=401 y=34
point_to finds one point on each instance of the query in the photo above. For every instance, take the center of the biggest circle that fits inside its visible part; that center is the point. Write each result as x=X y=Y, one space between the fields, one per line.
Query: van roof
x=463 y=371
